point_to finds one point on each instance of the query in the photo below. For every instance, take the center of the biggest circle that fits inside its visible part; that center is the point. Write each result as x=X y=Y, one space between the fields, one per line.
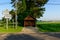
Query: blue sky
x=52 y=11
x=5 y=4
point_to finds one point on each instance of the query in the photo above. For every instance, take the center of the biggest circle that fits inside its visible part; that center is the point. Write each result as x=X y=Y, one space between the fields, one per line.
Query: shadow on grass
x=21 y=37
x=54 y=34
x=50 y=29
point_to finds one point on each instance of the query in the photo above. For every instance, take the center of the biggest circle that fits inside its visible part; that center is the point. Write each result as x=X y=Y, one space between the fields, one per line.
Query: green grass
x=48 y=26
x=10 y=29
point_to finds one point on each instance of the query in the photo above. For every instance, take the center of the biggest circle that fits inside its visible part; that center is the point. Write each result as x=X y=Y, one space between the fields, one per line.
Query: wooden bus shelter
x=29 y=21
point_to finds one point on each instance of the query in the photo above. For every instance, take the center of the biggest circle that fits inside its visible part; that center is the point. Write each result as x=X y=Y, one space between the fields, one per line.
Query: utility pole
x=16 y=13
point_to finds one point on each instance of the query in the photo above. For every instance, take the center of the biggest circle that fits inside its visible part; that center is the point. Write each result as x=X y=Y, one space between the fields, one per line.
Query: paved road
x=31 y=35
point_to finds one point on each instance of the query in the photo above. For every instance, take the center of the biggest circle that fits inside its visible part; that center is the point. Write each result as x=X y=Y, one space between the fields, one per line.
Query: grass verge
x=49 y=27
x=10 y=29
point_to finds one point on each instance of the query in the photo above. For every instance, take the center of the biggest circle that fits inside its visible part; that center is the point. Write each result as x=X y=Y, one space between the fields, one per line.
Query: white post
x=6 y=23
x=16 y=14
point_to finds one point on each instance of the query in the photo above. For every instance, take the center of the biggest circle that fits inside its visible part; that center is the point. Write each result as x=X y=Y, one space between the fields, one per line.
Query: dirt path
x=30 y=33
x=29 y=30
x=42 y=35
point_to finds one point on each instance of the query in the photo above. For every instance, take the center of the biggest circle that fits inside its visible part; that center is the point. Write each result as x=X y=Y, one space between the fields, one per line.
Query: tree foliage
x=35 y=8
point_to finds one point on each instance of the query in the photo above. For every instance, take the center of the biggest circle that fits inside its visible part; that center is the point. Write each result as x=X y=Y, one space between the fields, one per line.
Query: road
x=29 y=34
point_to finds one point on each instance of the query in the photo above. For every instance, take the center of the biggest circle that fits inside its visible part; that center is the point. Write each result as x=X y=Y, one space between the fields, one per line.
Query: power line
x=6 y=3
x=53 y=4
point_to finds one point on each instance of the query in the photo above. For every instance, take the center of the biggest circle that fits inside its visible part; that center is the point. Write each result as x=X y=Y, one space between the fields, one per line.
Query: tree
x=13 y=14
x=35 y=8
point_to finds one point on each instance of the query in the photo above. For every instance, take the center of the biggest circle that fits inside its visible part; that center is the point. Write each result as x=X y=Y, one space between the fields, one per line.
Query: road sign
x=6 y=14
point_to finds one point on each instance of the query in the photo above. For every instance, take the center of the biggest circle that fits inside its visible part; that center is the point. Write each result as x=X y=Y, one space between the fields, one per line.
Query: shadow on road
x=21 y=37
x=54 y=34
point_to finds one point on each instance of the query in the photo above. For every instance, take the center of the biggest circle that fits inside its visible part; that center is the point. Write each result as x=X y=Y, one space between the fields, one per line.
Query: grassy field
x=48 y=26
x=10 y=29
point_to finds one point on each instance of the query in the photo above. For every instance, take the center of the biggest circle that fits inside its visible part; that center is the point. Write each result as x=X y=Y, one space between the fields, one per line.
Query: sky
x=4 y=4
x=52 y=9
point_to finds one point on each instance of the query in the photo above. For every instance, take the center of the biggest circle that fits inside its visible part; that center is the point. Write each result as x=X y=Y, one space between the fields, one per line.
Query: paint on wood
x=29 y=21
